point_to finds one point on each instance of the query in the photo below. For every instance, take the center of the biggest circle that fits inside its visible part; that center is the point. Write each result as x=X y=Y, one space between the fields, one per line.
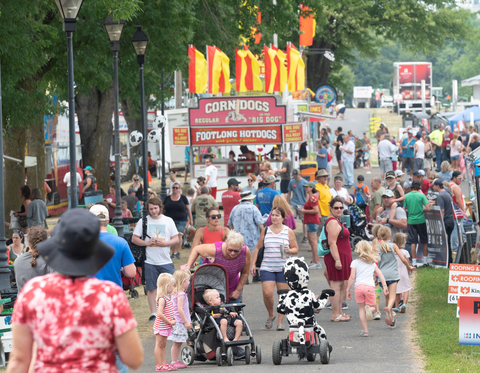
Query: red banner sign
x=228 y=135
x=240 y=111
x=180 y=136
x=293 y=133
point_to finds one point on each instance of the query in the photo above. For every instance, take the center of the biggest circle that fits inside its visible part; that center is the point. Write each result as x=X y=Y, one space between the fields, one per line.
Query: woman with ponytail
x=30 y=264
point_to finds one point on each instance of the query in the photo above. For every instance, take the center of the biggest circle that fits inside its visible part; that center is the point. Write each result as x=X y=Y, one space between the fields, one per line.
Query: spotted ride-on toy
x=313 y=346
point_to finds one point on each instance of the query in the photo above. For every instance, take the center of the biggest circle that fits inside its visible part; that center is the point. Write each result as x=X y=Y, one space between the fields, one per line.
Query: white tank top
x=420 y=149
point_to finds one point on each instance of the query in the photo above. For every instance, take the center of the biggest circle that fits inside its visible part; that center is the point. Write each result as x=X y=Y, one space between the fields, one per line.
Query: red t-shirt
x=74 y=322
x=425 y=186
x=309 y=205
x=229 y=201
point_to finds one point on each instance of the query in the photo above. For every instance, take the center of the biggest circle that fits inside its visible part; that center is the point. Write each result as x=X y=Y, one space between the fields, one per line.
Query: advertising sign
x=293 y=133
x=252 y=110
x=463 y=281
x=325 y=94
x=317 y=109
x=180 y=136
x=228 y=135
x=469 y=325
x=199 y=170
x=437 y=239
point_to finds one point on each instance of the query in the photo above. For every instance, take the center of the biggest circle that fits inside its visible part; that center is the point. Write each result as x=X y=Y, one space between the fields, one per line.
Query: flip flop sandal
x=340 y=318
x=280 y=327
x=269 y=322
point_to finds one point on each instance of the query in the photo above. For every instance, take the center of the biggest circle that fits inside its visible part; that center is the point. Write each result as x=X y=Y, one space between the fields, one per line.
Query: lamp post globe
x=114 y=31
x=140 y=43
x=69 y=10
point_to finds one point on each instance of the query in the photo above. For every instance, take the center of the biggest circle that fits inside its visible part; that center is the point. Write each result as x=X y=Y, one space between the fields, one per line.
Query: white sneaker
x=315 y=265
x=368 y=312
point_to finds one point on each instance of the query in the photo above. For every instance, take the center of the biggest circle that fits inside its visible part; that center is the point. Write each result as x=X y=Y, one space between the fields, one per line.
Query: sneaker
x=368 y=312
x=393 y=324
x=151 y=318
x=179 y=365
x=344 y=306
x=403 y=308
x=187 y=246
x=388 y=316
x=364 y=334
x=305 y=240
x=172 y=257
x=396 y=309
x=377 y=315
x=315 y=265
x=240 y=352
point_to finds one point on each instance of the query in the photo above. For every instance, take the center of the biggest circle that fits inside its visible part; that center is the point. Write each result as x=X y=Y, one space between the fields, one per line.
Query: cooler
x=308 y=170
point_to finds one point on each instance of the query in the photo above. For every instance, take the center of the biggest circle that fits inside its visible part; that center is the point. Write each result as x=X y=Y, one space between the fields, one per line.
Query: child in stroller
x=298 y=304
x=208 y=341
x=358 y=223
x=212 y=298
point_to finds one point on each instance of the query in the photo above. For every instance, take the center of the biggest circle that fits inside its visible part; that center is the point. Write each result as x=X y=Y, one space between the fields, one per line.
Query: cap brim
x=246 y=198
x=55 y=258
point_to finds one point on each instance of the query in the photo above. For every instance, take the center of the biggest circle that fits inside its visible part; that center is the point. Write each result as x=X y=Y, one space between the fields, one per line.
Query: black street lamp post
x=69 y=10
x=163 y=190
x=140 y=43
x=114 y=31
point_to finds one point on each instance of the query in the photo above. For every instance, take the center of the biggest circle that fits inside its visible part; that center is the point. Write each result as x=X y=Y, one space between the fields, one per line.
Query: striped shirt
x=167 y=312
x=272 y=258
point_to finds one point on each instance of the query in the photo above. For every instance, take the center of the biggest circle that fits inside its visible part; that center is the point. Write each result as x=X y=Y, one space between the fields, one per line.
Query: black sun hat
x=75 y=248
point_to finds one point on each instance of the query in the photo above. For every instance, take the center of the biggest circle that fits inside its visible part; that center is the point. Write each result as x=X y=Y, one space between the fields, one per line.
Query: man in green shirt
x=416 y=224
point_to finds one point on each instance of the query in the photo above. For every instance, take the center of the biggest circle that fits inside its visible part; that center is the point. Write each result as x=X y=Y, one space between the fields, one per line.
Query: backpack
x=360 y=195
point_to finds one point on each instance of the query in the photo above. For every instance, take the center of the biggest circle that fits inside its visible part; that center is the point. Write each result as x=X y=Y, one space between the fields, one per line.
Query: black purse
x=258 y=262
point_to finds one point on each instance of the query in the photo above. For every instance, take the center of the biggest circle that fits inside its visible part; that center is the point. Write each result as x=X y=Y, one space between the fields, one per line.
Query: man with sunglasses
x=230 y=198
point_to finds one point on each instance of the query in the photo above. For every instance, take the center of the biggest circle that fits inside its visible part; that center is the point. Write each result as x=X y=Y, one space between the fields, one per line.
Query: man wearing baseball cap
x=230 y=199
x=131 y=199
x=424 y=183
x=416 y=222
x=266 y=195
x=398 y=224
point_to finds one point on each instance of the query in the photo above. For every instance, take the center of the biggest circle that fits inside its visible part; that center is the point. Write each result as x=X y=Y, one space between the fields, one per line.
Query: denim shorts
x=180 y=226
x=312 y=227
x=388 y=283
x=272 y=276
x=455 y=158
x=153 y=271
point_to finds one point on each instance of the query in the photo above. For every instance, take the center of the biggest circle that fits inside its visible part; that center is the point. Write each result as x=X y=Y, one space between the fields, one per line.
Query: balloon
x=159 y=121
x=136 y=138
x=154 y=136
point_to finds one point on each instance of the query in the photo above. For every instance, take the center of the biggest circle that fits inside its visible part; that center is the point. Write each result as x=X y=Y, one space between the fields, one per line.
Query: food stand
x=249 y=129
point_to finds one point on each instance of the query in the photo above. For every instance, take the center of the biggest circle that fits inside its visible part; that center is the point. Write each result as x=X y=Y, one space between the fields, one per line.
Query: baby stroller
x=207 y=342
x=358 y=223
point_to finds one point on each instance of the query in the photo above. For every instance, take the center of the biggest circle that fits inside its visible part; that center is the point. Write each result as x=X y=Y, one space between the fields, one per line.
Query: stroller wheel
x=324 y=351
x=134 y=294
x=230 y=356
x=354 y=242
x=311 y=357
x=218 y=356
x=187 y=355
x=277 y=352
x=248 y=352
x=258 y=354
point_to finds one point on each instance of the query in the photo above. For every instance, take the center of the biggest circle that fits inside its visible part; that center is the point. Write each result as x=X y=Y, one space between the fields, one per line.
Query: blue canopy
x=465 y=116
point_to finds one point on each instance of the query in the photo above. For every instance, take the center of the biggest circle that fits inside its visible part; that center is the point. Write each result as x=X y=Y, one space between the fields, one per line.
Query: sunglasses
x=249 y=180
x=338 y=208
x=219 y=216
x=233 y=250
x=136 y=179
x=175 y=188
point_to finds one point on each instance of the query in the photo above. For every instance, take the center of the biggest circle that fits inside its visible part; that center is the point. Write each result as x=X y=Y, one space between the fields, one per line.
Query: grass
x=437 y=326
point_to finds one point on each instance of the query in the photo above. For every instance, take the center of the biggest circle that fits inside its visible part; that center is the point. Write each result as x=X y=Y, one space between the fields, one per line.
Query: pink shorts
x=163 y=332
x=365 y=294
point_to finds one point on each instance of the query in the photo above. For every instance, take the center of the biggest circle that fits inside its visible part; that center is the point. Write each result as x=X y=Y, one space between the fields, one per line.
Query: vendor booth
x=240 y=133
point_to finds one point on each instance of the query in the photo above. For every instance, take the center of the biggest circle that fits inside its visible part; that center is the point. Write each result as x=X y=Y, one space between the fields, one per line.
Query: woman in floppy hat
x=78 y=322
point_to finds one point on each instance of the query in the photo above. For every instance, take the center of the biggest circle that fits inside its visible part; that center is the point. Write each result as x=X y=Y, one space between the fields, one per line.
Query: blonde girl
x=404 y=285
x=388 y=266
x=182 y=315
x=362 y=270
x=164 y=321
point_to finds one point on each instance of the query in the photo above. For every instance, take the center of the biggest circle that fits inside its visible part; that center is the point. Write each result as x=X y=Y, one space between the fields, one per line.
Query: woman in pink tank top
x=233 y=255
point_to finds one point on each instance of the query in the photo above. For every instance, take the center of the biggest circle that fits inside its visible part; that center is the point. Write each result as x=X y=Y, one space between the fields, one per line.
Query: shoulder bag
x=323 y=248
x=258 y=262
x=139 y=252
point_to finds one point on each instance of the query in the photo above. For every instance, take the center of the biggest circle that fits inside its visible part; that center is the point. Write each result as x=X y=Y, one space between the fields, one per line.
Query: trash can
x=93 y=197
x=308 y=170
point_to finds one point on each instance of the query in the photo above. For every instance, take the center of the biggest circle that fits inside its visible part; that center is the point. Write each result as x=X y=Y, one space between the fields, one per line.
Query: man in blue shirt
x=408 y=152
x=122 y=260
x=321 y=155
x=297 y=198
x=266 y=195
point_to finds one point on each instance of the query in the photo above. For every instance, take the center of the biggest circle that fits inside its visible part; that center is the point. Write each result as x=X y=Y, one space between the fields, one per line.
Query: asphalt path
x=385 y=350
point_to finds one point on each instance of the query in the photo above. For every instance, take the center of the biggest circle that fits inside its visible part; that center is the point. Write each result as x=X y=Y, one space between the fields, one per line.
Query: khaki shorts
x=296 y=213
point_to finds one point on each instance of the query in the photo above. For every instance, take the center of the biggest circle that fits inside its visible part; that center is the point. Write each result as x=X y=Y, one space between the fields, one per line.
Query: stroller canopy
x=208 y=276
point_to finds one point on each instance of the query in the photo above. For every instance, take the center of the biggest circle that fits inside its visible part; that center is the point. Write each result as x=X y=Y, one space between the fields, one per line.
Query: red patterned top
x=74 y=322
x=168 y=312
